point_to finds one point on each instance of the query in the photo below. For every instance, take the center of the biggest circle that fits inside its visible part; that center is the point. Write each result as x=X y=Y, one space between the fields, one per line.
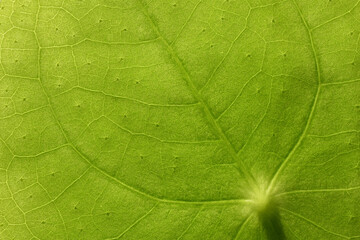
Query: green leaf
x=177 y=119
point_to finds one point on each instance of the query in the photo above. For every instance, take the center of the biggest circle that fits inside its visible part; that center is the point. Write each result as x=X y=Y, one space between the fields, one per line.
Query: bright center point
x=262 y=201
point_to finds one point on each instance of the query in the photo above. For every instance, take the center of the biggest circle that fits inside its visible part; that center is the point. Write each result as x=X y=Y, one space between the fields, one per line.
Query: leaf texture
x=179 y=120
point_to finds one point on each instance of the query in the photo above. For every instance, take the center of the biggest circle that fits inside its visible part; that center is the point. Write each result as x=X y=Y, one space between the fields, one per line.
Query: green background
x=176 y=119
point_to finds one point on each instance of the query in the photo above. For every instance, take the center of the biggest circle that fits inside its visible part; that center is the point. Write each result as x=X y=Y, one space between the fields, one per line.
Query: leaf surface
x=210 y=119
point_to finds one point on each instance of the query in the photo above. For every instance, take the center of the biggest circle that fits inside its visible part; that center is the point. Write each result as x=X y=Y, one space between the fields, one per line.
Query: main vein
x=209 y=115
x=307 y=125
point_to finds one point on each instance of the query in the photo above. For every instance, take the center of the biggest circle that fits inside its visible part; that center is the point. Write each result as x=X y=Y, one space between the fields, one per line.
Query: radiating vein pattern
x=159 y=120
